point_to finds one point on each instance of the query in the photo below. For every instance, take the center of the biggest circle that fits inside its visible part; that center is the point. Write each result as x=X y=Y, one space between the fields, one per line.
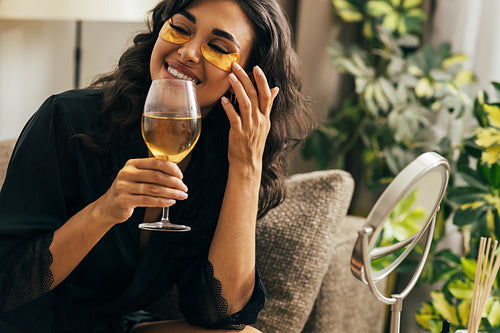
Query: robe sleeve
x=39 y=184
x=202 y=303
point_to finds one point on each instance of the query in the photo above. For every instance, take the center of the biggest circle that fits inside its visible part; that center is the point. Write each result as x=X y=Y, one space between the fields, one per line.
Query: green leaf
x=463 y=311
x=378 y=8
x=380 y=97
x=469 y=266
x=444 y=308
x=402 y=26
x=347 y=11
x=448 y=255
x=465 y=194
x=413 y=25
x=473 y=179
x=391 y=21
x=423 y=320
x=424 y=315
x=424 y=88
x=461 y=289
x=411 y=3
x=368 y=29
x=388 y=89
x=465 y=217
x=495 y=175
x=368 y=98
x=490 y=173
x=417 y=13
x=496 y=86
x=494 y=313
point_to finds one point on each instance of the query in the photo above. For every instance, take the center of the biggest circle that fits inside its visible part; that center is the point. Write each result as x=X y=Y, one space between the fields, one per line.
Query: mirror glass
x=408 y=218
x=401 y=216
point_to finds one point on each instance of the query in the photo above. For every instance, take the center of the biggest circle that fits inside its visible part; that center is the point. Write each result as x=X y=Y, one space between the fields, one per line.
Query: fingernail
x=258 y=70
x=183 y=195
x=224 y=100
x=233 y=78
x=277 y=90
x=236 y=65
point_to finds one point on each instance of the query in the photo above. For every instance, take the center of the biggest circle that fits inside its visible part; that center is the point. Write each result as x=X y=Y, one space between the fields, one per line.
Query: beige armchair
x=303 y=252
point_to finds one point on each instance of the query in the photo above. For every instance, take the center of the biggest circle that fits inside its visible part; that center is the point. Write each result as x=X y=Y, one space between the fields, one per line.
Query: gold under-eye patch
x=219 y=59
x=169 y=34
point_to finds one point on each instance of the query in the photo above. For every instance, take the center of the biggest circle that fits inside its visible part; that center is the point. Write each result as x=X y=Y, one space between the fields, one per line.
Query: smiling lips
x=178 y=75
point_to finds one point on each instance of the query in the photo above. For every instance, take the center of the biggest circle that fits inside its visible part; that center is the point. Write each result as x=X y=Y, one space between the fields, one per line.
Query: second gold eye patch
x=219 y=59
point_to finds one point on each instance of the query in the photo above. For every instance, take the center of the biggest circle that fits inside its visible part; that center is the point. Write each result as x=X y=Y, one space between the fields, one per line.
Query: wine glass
x=171 y=126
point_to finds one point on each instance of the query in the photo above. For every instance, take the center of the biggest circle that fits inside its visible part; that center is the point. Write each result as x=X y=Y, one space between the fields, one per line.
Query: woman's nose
x=190 y=51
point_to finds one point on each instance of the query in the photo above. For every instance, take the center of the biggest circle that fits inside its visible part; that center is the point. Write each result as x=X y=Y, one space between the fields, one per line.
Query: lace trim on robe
x=220 y=304
x=26 y=273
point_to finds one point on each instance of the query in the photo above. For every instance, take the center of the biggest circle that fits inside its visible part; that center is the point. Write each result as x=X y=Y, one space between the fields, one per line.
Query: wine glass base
x=164 y=226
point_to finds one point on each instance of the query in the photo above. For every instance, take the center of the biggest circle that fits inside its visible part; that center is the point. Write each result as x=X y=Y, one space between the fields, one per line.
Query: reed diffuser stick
x=488 y=263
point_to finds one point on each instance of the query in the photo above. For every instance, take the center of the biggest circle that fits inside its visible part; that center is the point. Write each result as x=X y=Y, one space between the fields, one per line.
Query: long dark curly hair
x=126 y=88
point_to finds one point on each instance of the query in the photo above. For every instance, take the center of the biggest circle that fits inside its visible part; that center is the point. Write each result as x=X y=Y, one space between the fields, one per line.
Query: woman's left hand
x=249 y=128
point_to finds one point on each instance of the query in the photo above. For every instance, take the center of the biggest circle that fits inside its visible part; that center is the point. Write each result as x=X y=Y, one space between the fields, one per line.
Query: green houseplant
x=401 y=88
x=476 y=200
x=408 y=98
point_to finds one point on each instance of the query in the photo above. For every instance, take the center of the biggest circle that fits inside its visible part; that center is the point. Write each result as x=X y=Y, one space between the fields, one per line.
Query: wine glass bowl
x=171 y=127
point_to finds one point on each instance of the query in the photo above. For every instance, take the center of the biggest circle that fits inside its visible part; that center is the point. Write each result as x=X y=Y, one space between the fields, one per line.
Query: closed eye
x=218 y=49
x=179 y=29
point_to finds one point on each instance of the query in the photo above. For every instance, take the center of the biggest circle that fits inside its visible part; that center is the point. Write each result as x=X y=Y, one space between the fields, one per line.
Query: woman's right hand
x=146 y=182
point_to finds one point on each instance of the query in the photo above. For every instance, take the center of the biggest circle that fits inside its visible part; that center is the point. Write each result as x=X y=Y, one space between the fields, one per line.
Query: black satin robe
x=52 y=177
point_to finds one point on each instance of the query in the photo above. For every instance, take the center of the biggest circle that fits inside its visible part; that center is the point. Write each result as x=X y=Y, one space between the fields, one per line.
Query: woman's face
x=219 y=24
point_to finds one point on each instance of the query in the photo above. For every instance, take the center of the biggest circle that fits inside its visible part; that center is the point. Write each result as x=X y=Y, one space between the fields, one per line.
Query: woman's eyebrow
x=188 y=15
x=226 y=35
x=215 y=31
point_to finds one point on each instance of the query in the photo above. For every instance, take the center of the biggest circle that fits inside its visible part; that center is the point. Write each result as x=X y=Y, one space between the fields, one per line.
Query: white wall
x=472 y=27
x=37 y=60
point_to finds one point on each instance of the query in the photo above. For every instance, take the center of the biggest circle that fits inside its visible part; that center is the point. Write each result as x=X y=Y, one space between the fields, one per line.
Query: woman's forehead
x=225 y=15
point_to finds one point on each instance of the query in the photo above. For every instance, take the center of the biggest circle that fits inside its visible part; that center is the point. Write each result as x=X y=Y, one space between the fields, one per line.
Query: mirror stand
x=396 y=300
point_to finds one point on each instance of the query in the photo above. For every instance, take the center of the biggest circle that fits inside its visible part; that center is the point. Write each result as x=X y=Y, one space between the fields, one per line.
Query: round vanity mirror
x=403 y=216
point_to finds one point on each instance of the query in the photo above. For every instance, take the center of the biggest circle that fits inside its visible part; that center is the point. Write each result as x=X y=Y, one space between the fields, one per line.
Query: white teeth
x=181 y=76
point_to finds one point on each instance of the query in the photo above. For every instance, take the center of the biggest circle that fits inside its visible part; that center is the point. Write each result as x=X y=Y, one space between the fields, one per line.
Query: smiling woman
x=71 y=250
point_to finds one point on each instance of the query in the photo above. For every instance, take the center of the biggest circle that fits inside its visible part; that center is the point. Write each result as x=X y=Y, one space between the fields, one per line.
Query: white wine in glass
x=171 y=126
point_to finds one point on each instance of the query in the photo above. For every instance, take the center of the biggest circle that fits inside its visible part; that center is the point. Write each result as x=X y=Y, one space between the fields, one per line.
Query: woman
x=80 y=181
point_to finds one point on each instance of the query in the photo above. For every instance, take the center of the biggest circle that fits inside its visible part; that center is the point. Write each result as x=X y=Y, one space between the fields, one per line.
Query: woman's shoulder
x=78 y=107
x=78 y=99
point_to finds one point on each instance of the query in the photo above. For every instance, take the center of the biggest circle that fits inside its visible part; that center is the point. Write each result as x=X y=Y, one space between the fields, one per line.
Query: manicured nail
x=224 y=100
x=258 y=71
x=233 y=78
x=236 y=65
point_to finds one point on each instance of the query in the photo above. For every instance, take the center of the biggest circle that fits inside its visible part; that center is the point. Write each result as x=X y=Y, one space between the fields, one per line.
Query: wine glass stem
x=164 y=215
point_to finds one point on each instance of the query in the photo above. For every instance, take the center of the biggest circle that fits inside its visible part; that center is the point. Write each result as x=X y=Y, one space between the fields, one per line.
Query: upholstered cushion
x=344 y=304
x=6 y=148
x=295 y=246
